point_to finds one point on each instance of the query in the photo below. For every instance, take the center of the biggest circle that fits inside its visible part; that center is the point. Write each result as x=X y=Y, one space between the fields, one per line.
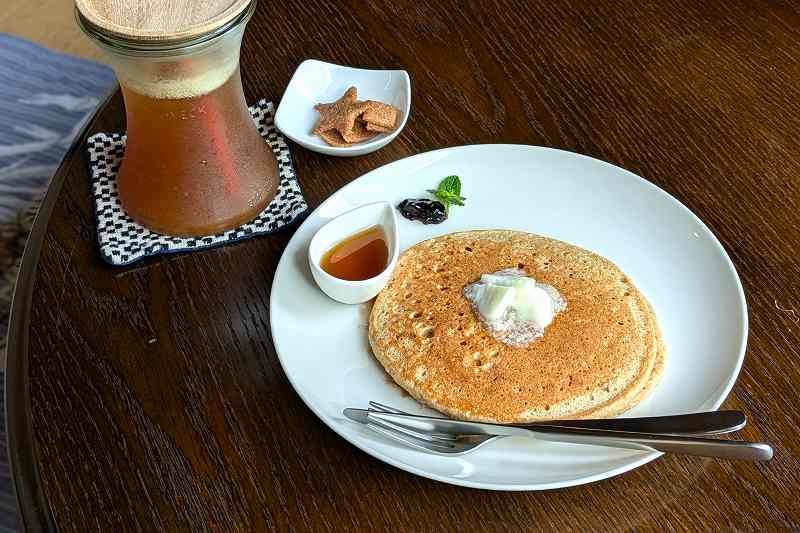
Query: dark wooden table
x=150 y=398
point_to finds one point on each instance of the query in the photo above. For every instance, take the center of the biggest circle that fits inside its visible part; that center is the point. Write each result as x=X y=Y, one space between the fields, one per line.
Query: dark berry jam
x=424 y=210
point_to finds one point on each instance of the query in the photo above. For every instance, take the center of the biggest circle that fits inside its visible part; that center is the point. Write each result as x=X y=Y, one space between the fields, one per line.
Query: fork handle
x=710 y=423
x=723 y=449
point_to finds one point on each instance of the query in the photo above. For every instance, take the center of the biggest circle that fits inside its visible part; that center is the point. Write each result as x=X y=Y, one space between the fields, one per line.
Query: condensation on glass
x=194 y=161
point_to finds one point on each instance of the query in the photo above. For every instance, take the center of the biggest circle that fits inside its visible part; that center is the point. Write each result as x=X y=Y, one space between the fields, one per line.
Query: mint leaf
x=451 y=184
x=457 y=200
x=449 y=192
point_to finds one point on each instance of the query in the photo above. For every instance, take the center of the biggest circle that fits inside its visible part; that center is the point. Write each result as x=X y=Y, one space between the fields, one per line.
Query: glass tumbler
x=194 y=161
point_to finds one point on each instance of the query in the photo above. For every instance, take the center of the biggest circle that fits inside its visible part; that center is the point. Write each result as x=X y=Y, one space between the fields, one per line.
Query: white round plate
x=669 y=253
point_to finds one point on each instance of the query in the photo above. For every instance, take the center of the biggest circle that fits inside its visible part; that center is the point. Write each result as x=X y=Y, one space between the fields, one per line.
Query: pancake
x=600 y=357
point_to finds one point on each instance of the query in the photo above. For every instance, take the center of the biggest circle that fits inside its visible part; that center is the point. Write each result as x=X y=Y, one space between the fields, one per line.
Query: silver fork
x=708 y=423
x=423 y=433
x=711 y=423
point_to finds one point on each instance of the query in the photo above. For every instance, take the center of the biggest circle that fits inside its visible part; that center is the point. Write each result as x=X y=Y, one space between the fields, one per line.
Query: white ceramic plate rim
x=634 y=463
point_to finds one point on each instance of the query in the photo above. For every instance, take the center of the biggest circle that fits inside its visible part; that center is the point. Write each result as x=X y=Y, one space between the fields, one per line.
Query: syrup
x=361 y=256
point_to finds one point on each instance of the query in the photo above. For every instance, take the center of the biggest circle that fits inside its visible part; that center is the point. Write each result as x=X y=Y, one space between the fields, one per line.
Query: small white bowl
x=354 y=292
x=316 y=81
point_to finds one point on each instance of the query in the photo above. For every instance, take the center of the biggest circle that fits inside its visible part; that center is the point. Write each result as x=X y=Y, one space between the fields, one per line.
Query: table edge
x=33 y=509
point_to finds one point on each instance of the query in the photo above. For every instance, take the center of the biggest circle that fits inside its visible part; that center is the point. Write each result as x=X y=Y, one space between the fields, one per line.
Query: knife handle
x=710 y=423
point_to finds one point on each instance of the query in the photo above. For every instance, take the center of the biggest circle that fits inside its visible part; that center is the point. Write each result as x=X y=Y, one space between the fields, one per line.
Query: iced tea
x=194 y=162
x=194 y=165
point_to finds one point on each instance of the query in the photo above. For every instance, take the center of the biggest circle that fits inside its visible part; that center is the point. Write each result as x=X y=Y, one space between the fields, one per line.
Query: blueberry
x=424 y=210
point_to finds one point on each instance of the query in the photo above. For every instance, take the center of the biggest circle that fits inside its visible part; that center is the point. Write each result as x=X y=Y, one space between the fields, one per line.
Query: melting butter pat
x=533 y=304
x=497 y=295
x=513 y=307
x=518 y=282
x=494 y=300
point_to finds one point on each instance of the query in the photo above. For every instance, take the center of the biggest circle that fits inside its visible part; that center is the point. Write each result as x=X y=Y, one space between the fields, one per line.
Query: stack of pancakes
x=599 y=357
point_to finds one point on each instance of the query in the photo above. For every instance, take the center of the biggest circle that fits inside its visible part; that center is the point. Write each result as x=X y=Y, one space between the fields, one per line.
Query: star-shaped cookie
x=349 y=120
x=339 y=115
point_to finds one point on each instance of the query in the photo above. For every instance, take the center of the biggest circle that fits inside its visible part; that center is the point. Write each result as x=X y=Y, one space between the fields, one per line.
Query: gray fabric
x=45 y=98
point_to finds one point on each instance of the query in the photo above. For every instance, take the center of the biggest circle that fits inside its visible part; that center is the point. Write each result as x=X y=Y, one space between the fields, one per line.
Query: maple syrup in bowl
x=352 y=256
x=358 y=257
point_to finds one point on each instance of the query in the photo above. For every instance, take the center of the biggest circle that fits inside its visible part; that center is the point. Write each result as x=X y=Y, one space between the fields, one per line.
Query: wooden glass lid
x=159 y=21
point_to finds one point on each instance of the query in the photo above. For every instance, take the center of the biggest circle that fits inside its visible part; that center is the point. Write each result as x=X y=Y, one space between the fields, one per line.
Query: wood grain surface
x=157 y=403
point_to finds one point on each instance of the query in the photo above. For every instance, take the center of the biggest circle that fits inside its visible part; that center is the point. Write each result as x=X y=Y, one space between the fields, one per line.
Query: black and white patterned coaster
x=124 y=241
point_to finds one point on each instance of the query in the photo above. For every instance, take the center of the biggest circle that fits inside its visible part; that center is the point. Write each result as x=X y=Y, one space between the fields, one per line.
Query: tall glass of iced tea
x=194 y=162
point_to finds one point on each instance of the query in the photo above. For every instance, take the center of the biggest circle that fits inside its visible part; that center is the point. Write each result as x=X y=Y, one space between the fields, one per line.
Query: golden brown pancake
x=598 y=358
